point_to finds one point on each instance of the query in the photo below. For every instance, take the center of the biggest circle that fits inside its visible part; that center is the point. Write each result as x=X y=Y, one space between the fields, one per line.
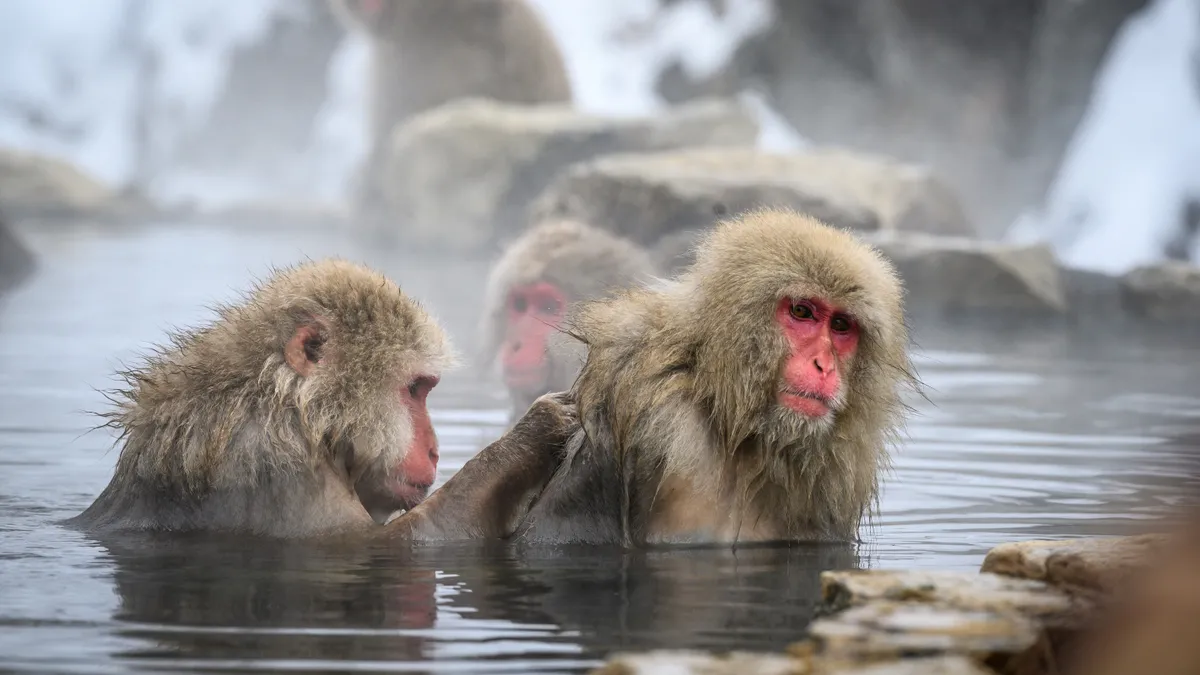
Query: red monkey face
x=411 y=480
x=821 y=339
x=396 y=456
x=401 y=480
x=534 y=312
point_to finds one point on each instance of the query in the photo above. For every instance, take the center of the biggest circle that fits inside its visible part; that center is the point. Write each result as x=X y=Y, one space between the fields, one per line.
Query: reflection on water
x=1026 y=435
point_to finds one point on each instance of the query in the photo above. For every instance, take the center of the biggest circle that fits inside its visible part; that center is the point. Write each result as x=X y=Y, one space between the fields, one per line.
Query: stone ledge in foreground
x=983 y=591
x=1078 y=565
x=698 y=663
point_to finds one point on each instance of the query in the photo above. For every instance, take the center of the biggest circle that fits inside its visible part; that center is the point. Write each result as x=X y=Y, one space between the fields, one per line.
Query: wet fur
x=584 y=262
x=218 y=432
x=681 y=438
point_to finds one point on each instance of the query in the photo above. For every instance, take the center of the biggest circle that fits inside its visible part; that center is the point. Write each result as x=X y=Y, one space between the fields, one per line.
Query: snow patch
x=1135 y=157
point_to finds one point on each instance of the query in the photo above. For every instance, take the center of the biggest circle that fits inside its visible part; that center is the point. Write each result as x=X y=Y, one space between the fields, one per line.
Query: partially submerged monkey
x=425 y=53
x=752 y=398
x=299 y=410
x=551 y=266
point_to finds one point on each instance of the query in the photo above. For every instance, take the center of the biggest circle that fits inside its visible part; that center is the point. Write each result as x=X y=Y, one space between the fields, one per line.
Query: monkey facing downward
x=551 y=266
x=752 y=398
x=300 y=410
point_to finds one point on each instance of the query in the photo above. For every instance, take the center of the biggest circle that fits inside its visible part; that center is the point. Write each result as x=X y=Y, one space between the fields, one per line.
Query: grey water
x=1027 y=434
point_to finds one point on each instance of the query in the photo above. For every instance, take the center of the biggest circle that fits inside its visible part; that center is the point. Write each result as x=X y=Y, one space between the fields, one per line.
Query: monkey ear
x=303 y=351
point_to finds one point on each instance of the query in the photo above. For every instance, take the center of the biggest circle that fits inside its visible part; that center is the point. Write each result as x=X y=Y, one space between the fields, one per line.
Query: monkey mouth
x=807 y=403
x=409 y=493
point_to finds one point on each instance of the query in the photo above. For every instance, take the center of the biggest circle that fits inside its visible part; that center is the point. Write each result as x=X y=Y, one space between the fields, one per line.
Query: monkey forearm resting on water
x=493 y=492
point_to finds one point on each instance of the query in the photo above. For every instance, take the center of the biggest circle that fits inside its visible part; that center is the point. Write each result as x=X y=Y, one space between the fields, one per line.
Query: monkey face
x=399 y=477
x=393 y=452
x=533 y=312
x=821 y=340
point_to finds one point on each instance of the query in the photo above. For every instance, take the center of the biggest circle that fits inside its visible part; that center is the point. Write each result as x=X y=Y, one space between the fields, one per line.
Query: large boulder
x=946 y=275
x=16 y=262
x=1167 y=291
x=647 y=196
x=461 y=176
x=38 y=186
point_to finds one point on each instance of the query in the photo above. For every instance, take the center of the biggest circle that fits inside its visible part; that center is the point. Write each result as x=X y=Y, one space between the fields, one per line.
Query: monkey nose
x=824 y=364
x=433 y=454
x=516 y=345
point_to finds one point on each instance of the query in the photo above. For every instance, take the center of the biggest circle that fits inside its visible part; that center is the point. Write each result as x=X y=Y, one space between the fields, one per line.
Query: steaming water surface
x=1022 y=436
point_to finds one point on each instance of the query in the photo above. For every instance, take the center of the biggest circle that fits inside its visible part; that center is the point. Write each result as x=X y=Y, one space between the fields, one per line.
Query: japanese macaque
x=300 y=411
x=554 y=264
x=425 y=54
x=752 y=398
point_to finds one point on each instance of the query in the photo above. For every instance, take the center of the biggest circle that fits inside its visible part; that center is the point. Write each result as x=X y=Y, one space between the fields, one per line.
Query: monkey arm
x=494 y=491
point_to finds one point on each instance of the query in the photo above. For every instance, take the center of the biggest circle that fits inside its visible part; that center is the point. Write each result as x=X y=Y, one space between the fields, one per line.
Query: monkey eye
x=801 y=311
x=550 y=306
x=519 y=303
x=840 y=324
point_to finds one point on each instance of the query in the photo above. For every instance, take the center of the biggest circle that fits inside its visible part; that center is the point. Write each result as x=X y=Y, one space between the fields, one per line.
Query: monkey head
x=320 y=373
x=358 y=360
x=550 y=267
x=809 y=324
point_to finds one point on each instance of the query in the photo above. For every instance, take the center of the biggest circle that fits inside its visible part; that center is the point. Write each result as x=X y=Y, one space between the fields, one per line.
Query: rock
x=953 y=274
x=45 y=187
x=16 y=262
x=906 y=197
x=938 y=665
x=675 y=251
x=698 y=663
x=278 y=214
x=462 y=176
x=649 y=195
x=1078 y=565
x=1003 y=640
x=961 y=590
x=1091 y=296
x=1151 y=628
x=1167 y=291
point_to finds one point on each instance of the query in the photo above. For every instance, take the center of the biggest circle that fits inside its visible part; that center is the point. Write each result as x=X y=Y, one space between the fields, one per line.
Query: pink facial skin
x=822 y=338
x=534 y=311
x=412 y=479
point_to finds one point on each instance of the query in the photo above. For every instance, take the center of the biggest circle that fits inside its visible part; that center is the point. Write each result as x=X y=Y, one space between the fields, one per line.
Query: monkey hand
x=550 y=420
x=494 y=491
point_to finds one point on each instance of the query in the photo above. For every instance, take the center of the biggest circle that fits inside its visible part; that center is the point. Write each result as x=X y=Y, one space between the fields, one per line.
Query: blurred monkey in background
x=426 y=53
